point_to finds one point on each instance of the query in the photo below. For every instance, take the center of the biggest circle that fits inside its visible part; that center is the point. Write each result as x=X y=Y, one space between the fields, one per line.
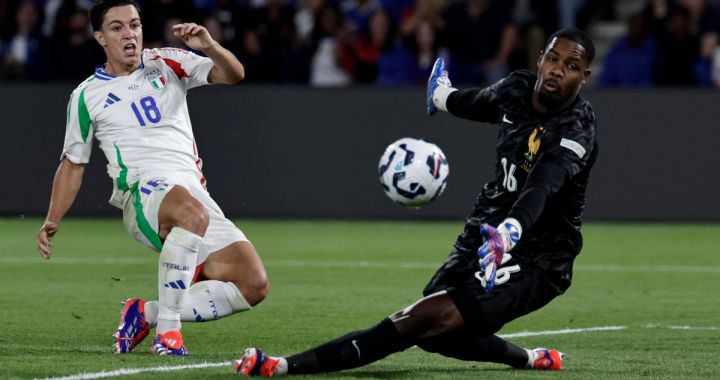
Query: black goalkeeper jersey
x=542 y=168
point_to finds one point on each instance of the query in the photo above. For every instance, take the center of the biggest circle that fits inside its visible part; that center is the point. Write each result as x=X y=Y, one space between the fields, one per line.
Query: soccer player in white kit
x=135 y=106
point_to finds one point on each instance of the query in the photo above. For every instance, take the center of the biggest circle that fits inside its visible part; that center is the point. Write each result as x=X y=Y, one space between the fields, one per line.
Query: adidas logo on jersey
x=111 y=99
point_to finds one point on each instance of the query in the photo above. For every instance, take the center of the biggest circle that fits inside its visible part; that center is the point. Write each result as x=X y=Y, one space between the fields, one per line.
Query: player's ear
x=586 y=75
x=99 y=38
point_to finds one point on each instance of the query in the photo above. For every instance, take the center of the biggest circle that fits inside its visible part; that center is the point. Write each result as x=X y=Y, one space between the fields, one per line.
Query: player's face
x=562 y=70
x=121 y=37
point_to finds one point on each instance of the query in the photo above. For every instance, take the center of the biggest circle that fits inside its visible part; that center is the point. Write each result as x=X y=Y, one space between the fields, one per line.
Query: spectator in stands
x=479 y=35
x=235 y=18
x=396 y=8
x=394 y=64
x=568 y=11
x=630 y=61
x=358 y=12
x=424 y=11
x=593 y=11
x=170 y=40
x=367 y=47
x=156 y=13
x=250 y=54
x=426 y=50
x=58 y=14
x=332 y=62
x=26 y=55
x=76 y=54
x=305 y=18
x=705 y=22
x=678 y=50
x=214 y=26
x=275 y=28
x=536 y=20
x=7 y=19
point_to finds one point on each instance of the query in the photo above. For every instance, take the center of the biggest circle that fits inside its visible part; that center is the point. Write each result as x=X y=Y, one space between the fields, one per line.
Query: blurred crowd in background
x=326 y=43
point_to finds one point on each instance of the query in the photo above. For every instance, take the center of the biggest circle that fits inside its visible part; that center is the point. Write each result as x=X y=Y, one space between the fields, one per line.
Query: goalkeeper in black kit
x=517 y=249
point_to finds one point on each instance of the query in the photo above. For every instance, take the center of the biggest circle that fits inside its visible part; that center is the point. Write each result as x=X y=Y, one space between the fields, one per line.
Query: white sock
x=532 y=356
x=175 y=273
x=440 y=96
x=282 y=367
x=212 y=299
x=206 y=301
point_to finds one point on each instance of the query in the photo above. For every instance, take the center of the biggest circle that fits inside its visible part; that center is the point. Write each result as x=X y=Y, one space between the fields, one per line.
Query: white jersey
x=141 y=120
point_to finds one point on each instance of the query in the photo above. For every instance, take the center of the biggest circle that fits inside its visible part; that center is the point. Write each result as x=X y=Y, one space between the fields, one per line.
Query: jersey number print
x=150 y=108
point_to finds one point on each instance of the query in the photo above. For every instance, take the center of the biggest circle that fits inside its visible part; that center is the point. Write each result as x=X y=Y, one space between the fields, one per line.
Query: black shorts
x=520 y=288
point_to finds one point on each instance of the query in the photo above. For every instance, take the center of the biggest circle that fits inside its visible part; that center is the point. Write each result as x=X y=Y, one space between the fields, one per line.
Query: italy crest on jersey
x=157 y=80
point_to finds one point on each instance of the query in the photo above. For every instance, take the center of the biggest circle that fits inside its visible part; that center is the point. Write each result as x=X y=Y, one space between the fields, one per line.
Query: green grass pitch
x=660 y=282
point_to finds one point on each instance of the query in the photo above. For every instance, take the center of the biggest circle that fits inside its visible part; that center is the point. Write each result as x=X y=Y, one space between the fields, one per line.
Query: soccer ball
x=413 y=172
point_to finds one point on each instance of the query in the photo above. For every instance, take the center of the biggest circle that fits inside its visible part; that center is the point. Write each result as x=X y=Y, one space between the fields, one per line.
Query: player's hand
x=490 y=255
x=438 y=78
x=44 y=238
x=194 y=36
x=497 y=242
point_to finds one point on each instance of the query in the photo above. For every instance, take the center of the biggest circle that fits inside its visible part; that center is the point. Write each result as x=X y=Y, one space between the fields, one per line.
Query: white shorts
x=140 y=214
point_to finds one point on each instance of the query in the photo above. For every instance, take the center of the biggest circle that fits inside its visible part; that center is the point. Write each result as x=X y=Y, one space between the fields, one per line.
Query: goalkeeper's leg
x=430 y=316
x=463 y=345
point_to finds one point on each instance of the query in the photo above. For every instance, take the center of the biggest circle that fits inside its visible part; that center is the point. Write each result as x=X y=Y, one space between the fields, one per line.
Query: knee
x=192 y=216
x=255 y=288
x=426 y=319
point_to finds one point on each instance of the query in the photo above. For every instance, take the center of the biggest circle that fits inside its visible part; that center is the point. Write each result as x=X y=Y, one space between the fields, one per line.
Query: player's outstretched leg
x=464 y=345
x=352 y=350
x=133 y=326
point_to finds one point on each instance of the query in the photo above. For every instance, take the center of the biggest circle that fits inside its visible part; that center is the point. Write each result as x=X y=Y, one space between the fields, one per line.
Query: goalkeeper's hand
x=497 y=242
x=438 y=87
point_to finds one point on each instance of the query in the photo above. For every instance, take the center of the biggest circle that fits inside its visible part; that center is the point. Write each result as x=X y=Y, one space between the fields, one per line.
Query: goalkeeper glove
x=438 y=87
x=497 y=242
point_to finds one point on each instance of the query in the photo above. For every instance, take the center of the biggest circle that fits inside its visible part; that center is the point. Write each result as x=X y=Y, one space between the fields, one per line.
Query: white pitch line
x=360 y=264
x=135 y=371
x=670 y=327
x=647 y=268
x=77 y=261
x=561 y=332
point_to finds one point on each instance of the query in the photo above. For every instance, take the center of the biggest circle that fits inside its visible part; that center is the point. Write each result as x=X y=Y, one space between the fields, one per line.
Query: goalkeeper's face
x=121 y=37
x=562 y=70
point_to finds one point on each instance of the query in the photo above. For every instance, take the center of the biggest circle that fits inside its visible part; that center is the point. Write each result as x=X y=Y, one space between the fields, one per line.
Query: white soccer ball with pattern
x=413 y=172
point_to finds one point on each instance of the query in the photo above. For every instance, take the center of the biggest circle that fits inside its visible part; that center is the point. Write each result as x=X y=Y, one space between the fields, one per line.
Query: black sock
x=464 y=345
x=349 y=351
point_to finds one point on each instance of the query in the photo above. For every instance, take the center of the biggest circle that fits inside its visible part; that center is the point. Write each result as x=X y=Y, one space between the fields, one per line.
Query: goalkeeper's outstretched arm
x=66 y=185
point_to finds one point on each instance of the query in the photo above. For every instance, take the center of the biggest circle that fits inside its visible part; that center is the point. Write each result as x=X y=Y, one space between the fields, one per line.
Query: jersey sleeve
x=78 y=130
x=476 y=104
x=190 y=68
x=483 y=104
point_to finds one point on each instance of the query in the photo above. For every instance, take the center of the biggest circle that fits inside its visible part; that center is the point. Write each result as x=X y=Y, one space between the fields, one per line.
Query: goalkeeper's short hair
x=578 y=36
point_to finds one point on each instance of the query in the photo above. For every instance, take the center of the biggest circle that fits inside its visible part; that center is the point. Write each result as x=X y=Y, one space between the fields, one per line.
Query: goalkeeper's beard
x=549 y=100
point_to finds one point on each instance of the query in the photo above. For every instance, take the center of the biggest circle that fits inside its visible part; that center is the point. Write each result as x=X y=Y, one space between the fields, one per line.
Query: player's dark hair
x=577 y=36
x=101 y=7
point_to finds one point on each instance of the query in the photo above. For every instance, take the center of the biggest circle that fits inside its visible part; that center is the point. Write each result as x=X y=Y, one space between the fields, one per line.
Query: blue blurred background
x=331 y=43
